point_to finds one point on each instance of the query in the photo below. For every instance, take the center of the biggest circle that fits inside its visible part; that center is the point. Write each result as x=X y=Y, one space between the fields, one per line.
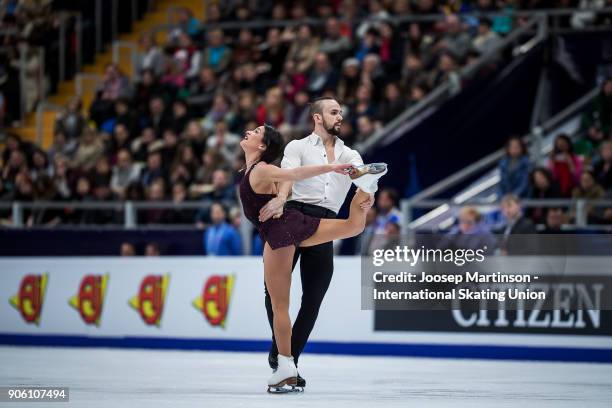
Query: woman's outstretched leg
x=330 y=230
x=277 y=273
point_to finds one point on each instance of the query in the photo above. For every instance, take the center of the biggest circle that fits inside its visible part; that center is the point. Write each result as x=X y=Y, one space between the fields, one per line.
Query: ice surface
x=114 y=378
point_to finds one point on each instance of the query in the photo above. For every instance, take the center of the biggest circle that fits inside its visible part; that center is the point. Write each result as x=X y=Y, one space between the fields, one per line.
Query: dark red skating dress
x=291 y=228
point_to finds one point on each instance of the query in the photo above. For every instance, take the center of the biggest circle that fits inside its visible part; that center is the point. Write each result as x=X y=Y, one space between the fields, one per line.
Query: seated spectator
x=514 y=169
x=221 y=238
x=102 y=194
x=149 y=56
x=487 y=39
x=603 y=166
x=273 y=55
x=223 y=141
x=541 y=186
x=202 y=91
x=303 y=48
x=272 y=110
x=321 y=77
x=387 y=211
x=125 y=172
x=349 y=81
x=220 y=111
x=71 y=121
x=587 y=189
x=156 y=192
x=393 y=103
x=89 y=150
x=554 y=221
x=587 y=145
x=565 y=166
x=516 y=224
x=152 y=249
x=61 y=146
x=334 y=44
x=157 y=116
x=153 y=170
x=114 y=85
x=470 y=233
x=127 y=249
x=217 y=55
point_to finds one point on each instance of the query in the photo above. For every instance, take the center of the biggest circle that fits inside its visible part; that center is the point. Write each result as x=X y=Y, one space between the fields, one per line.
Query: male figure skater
x=320 y=196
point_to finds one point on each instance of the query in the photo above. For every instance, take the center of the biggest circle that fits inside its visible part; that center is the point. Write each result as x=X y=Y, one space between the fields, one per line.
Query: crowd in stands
x=171 y=133
x=579 y=166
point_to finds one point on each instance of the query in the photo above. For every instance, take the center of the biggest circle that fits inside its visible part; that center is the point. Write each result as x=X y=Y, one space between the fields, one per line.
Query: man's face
x=510 y=209
x=384 y=202
x=332 y=117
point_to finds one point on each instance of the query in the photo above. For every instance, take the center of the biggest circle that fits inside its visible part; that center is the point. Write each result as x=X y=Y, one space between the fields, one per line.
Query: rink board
x=214 y=303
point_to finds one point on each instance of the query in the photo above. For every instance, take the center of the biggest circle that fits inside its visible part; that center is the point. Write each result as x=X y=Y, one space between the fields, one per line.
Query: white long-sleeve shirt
x=327 y=190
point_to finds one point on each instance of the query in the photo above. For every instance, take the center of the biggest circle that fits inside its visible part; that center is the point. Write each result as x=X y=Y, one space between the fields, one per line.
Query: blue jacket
x=222 y=240
x=515 y=181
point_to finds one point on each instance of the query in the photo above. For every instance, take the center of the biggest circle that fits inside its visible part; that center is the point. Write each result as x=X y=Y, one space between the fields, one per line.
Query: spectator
x=566 y=167
x=71 y=122
x=221 y=238
x=587 y=189
x=125 y=172
x=61 y=146
x=393 y=104
x=542 y=186
x=220 y=111
x=223 y=141
x=487 y=39
x=334 y=44
x=127 y=249
x=153 y=170
x=470 y=233
x=155 y=193
x=149 y=56
x=303 y=48
x=554 y=221
x=273 y=54
x=152 y=249
x=321 y=77
x=516 y=224
x=603 y=166
x=89 y=150
x=217 y=55
x=158 y=117
x=272 y=110
x=349 y=81
x=202 y=91
x=514 y=169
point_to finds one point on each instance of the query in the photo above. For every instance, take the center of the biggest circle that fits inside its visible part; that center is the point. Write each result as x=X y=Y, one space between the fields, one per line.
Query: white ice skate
x=366 y=177
x=284 y=378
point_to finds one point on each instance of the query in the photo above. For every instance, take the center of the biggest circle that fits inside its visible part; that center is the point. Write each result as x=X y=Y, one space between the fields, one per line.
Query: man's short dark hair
x=317 y=105
x=392 y=193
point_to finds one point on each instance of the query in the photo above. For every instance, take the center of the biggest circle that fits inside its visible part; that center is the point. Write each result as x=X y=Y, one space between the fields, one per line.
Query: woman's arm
x=272 y=173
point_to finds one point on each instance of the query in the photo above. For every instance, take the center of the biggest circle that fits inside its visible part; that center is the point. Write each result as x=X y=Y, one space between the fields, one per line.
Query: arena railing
x=580 y=206
x=129 y=209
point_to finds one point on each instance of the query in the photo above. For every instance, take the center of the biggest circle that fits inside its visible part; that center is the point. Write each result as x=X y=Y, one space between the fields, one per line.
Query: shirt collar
x=315 y=139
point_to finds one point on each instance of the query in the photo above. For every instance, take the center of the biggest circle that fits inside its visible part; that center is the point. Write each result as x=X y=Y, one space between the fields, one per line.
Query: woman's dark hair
x=274 y=145
x=567 y=140
x=520 y=141
x=544 y=171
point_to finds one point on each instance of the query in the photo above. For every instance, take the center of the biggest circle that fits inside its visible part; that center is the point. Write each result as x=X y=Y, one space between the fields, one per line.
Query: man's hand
x=273 y=209
x=367 y=204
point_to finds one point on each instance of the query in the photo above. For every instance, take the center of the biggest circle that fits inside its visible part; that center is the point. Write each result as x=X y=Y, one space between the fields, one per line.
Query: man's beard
x=331 y=129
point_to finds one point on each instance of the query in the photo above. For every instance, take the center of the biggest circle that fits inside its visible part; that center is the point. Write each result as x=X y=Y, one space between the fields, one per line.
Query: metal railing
x=580 y=206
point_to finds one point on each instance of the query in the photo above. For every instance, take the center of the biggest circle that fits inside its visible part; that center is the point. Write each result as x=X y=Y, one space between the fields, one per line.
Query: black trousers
x=316 y=270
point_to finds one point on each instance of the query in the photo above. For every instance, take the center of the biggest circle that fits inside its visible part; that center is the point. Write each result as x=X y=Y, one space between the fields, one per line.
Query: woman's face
x=561 y=145
x=514 y=148
x=586 y=181
x=253 y=140
x=540 y=179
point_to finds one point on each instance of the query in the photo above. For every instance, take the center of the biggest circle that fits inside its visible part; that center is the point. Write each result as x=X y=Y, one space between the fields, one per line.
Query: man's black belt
x=311 y=209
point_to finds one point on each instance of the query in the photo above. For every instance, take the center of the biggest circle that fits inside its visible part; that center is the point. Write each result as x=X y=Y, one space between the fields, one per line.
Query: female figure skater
x=263 y=146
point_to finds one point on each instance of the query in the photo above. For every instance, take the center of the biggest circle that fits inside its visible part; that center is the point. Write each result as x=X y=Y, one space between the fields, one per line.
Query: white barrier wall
x=208 y=298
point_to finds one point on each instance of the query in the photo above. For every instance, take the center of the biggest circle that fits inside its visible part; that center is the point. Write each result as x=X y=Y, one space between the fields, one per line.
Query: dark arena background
x=130 y=277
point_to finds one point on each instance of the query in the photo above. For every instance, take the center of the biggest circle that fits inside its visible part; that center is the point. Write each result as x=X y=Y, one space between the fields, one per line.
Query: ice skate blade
x=372 y=168
x=286 y=389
